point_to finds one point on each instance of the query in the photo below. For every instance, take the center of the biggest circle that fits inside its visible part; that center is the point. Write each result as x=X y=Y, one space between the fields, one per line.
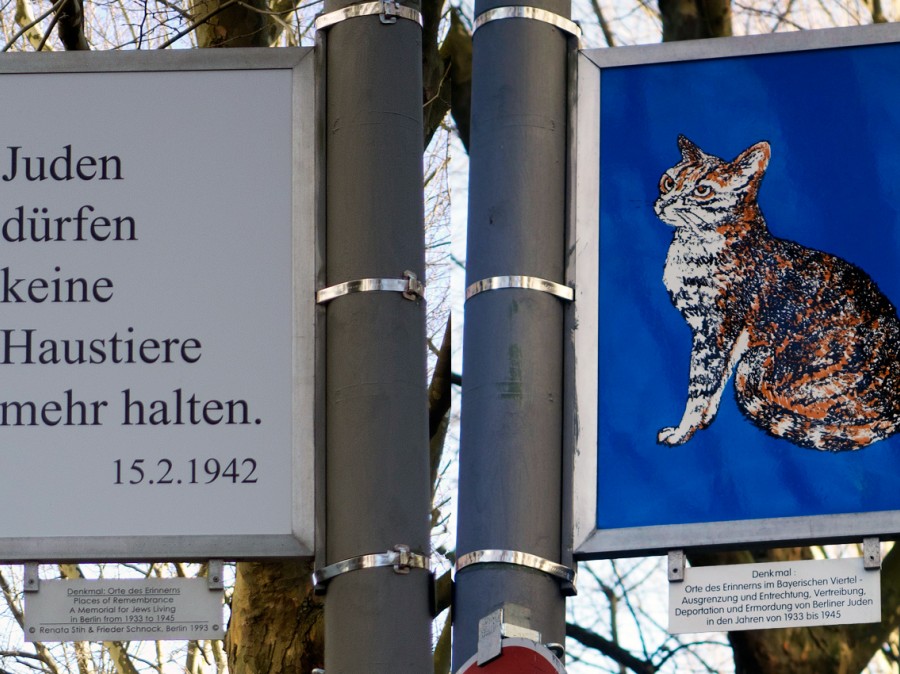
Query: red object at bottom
x=517 y=659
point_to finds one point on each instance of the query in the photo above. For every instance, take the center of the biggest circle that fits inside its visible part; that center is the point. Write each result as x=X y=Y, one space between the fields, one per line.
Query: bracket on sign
x=676 y=566
x=214 y=574
x=492 y=629
x=872 y=553
x=32 y=579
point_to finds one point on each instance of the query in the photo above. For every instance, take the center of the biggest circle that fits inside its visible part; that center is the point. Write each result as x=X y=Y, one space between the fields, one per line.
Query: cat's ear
x=689 y=151
x=751 y=163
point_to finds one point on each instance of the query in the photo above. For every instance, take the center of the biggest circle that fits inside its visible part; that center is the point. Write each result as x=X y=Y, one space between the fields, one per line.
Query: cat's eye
x=666 y=183
x=703 y=191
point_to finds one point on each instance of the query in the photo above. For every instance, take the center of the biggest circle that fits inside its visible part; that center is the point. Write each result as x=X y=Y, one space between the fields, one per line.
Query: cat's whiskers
x=692 y=221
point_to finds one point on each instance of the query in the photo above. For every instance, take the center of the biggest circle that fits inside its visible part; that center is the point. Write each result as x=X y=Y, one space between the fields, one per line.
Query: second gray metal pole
x=511 y=439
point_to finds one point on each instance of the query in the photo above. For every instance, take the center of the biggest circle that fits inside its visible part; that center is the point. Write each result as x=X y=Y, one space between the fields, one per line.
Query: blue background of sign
x=833 y=120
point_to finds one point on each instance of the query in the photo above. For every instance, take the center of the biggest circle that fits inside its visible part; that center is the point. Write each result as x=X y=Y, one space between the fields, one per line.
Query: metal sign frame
x=293 y=534
x=591 y=537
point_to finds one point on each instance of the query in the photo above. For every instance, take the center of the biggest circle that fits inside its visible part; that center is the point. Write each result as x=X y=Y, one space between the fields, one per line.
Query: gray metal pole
x=511 y=439
x=377 y=476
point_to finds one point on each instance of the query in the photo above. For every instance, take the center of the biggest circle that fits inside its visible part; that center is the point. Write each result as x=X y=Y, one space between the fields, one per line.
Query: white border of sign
x=587 y=541
x=299 y=540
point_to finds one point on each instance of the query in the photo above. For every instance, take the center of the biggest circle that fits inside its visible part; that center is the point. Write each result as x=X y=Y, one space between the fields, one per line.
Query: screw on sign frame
x=519 y=656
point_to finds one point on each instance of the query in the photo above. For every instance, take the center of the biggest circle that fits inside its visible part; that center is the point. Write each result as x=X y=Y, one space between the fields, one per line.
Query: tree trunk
x=228 y=23
x=276 y=625
x=695 y=19
x=457 y=54
x=70 y=18
x=447 y=71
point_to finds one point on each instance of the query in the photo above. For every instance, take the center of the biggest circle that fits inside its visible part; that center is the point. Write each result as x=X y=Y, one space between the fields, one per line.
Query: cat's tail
x=822 y=417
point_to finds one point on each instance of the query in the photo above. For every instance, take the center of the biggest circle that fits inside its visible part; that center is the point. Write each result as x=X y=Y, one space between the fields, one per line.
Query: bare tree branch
x=70 y=17
x=609 y=649
x=24 y=17
x=604 y=26
x=31 y=25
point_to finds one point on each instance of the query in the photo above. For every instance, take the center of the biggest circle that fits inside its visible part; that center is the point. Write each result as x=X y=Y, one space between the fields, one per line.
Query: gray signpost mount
x=374 y=561
x=510 y=499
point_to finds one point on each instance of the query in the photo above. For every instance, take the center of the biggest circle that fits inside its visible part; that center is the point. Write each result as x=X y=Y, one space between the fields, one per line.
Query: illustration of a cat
x=812 y=342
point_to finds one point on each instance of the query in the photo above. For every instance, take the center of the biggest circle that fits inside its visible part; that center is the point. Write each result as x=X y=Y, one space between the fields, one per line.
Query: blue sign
x=749 y=247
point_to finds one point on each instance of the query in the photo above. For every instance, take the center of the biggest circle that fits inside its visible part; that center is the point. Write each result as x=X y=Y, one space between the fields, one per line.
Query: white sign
x=146 y=609
x=157 y=300
x=774 y=594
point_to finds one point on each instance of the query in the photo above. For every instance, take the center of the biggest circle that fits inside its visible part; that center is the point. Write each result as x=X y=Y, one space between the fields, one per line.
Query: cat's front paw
x=672 y=436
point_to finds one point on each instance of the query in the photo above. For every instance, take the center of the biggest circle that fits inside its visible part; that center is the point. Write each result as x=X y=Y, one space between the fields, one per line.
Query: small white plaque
x=145 y=609
x=775 y=594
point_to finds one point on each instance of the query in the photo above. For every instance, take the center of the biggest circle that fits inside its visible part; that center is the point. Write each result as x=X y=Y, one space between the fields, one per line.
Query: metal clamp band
x=527 y=282
x=410 y=285
x=518 y=559
x=388 y=10
x=400 y=558
x=520 y=12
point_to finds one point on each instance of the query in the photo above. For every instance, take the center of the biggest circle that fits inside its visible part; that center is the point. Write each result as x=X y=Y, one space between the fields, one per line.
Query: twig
x=604 y=26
